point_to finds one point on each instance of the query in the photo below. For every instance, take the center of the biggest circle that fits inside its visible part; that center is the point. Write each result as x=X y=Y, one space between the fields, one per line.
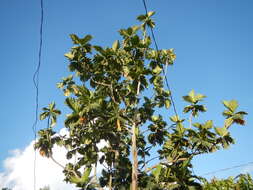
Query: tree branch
x=101 y=83
x=72 y=171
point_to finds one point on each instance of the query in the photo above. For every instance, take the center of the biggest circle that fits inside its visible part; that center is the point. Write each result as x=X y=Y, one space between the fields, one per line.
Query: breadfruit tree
x=115 y=95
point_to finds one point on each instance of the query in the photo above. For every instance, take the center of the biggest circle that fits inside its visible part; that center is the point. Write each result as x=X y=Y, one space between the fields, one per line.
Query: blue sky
x=212 y=39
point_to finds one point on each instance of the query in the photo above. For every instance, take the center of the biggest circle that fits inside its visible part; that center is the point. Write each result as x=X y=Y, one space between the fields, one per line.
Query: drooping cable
x=164 y=73
x=36 y=85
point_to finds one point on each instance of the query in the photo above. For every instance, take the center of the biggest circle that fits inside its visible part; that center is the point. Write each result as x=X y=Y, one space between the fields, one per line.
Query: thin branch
x=151 y=168
x=145 y=163
x=152 y=159
x=107 y=85
x=113 y=98
x=72 y=171
x=101 y=83
x=138 y=88
x=170 y=163
x=145 y=131
x=57 y=162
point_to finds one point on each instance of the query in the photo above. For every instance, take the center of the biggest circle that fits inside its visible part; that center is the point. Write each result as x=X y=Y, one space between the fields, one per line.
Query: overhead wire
x=226 y=169
x=164 y=73
x=36 y=85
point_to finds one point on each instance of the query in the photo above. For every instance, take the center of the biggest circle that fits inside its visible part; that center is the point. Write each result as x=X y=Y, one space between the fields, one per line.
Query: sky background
x=212 y=39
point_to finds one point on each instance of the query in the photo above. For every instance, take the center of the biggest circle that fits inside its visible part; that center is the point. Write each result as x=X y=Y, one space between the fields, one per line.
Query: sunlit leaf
x=167 y=103
x=69 y=55
x=116 y=45
x=157 y=70
x=208 y=124
x=151 y=13
x=157 y=172
x=231 y=105
x=229 y=122
x=174 y=118
x=221 y=131
x=154 y=118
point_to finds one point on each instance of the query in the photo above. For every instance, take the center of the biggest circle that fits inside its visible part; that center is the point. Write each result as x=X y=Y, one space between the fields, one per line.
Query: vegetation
x=115 y=96
x=241 y=182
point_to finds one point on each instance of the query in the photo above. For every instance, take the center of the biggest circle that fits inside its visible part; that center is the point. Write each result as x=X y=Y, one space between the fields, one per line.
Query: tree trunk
x=110 y=182
x=135 y=160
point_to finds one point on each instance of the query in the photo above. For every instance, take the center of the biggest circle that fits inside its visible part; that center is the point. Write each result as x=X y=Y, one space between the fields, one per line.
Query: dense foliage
x=115 y=96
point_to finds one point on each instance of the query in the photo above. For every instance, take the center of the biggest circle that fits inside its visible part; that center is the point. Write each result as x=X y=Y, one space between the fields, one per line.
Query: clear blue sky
x=213 y=41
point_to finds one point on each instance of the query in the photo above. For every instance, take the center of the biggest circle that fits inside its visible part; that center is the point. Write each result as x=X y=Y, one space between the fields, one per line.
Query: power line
x=36 y=85
x=156 y=46
x=230 y=168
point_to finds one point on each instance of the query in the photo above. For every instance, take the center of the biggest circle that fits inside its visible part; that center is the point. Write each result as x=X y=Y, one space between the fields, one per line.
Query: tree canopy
x=115 y=96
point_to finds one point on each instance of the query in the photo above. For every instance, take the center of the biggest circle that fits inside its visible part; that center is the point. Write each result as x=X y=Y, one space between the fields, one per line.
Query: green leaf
x=208 y=124
x=86 y=175
x=199 y=97
x=82 y=180
x=99 y=49
x=192 y=94
x=174 y=118
x=238 y=118
x=69 y=55
x=74 y=38
x=167 y=104
x=157 y=172
x=227 y=113
x=53 y=121
x=154 y=118
x=190 y=97
x=221 y=131
x=44 y=115
x=80 y=41
x=193 y=98
x=135 y=28
x=242 y=113
x=86 y=39
x=72 y=104
x=157 y=70
x=198 y=125
x=167 y=93
x=151 y=13
x=51 y=106
x=67 y=92
x=228 y=122
x=180 y=128
x=150 y=23
x=141 y=17
x=116 y=45
x=231 y=105
x=188 y=108
x=60 y=85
